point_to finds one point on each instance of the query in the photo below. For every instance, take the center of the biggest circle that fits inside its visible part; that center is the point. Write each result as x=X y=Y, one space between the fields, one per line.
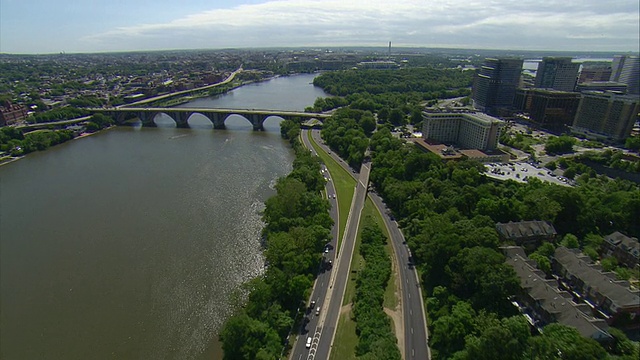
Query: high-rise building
x=594 y=71
x=558 y=73
x=469 y=130
x=605 y=115
x=626 y=69
x=495 y=84
x=550 y=109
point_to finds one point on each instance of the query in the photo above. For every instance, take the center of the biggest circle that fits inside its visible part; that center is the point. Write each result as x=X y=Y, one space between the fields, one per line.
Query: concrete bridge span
x=216 y=116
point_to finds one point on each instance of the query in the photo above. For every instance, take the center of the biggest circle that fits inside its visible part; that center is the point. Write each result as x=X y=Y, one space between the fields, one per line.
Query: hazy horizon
x=101 y=26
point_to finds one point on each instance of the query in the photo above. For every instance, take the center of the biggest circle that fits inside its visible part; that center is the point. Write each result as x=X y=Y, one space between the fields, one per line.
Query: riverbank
x=9 y=159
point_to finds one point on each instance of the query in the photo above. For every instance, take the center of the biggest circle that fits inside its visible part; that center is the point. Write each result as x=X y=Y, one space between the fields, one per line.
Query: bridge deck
x=212 y=110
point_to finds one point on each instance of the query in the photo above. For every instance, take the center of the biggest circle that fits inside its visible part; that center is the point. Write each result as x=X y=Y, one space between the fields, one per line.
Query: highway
x=411 y=304
x=310 y=328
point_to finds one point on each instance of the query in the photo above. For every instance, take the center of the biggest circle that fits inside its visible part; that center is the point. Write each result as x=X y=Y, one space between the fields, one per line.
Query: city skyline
x=37 y=26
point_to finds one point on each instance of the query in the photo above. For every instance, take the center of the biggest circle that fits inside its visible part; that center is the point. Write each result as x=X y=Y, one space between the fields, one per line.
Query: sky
x=53 y=26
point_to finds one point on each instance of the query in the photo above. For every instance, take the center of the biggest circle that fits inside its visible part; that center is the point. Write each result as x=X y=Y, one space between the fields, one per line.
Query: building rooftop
x=628 y=244
x=551 y=299
x=525 y=229
x=580 y=266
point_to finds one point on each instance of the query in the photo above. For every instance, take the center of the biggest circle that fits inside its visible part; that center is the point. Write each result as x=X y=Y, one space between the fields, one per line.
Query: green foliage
x=481 y=275
x=424 y=80
x=559 y=341
x=518 y=141
x=375 y=337
x=570 y=241
x=632 y=143
x=560 y=145
x=345 y=134
x=622 y=346
x=298 y=227
x=87 y=101
x=324 y=104
x=448 y=332
x=505 y=339
x=63 y=113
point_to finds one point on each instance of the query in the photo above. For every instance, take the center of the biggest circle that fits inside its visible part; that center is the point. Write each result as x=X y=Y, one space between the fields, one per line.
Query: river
x=129 y=244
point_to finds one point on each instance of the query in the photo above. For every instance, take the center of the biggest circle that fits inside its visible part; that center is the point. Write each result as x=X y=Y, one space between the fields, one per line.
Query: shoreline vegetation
x=297 y=229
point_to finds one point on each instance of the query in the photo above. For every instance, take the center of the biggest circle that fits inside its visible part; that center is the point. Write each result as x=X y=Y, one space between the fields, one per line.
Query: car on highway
x=308 y=345
x=318 y=311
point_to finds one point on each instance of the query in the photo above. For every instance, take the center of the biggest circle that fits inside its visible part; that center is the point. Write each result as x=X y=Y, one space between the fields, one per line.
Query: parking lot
x=521 y=171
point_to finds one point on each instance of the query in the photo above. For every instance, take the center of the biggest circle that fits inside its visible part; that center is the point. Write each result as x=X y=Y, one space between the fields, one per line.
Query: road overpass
x=217 y=117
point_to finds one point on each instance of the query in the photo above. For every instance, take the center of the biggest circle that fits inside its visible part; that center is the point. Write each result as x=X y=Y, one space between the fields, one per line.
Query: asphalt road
x=324 y=326
x=310 y=326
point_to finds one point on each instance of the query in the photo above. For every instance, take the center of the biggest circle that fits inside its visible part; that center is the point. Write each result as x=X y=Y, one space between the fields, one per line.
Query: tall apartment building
x=558 y=73
x=550 y=109
x=606 y=115
x=626 y=69
x=468 y=130
x=495 y=84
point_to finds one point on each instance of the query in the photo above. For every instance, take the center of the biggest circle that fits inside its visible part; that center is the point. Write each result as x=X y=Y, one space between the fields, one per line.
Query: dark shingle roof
x=553 y=300
x=628 y=244
x=525 y=229
x=578 y=265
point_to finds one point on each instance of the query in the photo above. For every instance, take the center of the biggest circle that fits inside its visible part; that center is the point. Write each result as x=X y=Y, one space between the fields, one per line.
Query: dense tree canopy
x=298 y=228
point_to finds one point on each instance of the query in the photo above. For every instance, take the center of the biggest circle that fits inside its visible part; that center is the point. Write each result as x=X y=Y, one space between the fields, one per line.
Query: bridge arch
x=237 y=122
x=200 y=121
x=271 y=123
x=159 y=119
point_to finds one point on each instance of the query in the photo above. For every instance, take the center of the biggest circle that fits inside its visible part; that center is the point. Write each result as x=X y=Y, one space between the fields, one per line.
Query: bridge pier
x=181 y=118
x=147 y=117
x=217 y=119
x=257 y=120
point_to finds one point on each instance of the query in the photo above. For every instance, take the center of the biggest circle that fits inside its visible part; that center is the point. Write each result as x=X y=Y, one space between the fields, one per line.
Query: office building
x=594 y=71
x=613 y=86
x=469 y=130
x=558 y=73
x=495 y=84
x=606 y=116
x=626 y=69
x=549 y=109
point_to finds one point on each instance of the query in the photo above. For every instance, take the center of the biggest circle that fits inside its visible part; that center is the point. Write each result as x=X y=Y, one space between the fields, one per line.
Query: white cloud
x=504 y=24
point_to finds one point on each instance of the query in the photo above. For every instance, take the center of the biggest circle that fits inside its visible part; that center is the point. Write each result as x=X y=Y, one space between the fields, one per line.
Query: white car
x=308 y=342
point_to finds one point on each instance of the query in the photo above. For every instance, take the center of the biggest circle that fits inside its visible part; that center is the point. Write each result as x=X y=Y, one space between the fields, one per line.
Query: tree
x=560 y=145
x=448 y=333
x=506 y=339
x=396 y=117
x=480 y=274
x=632 y=143
x=559 y=341
x=570 y=241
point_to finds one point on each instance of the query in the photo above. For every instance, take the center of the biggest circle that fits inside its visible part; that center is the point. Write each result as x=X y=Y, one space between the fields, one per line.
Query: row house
x=622 y=247
x=542 y=303
x=609 y=298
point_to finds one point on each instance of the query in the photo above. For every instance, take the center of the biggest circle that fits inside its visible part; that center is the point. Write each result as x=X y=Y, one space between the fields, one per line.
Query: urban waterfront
x=130 y=243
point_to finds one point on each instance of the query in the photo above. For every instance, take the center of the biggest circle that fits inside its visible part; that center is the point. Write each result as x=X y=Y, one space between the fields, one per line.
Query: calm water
x=128 y=244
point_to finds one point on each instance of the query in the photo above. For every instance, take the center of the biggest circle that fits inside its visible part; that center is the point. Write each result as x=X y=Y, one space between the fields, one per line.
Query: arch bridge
x=216 y=116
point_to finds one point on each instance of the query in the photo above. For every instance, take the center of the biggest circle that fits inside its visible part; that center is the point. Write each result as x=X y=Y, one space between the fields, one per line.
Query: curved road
x=415 y=329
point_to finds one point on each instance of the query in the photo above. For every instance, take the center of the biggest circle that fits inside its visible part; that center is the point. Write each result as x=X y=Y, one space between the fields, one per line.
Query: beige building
x=469 y=130
x=605 y=115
